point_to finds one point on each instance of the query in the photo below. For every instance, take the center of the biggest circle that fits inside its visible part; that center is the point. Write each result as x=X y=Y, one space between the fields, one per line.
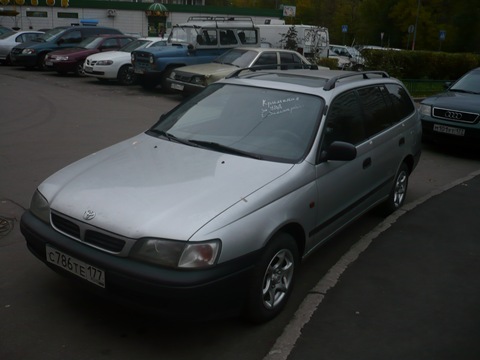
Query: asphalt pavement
x=410 y=290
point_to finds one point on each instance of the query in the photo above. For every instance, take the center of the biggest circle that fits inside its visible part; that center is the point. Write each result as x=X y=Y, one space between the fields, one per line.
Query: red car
x=71 y=60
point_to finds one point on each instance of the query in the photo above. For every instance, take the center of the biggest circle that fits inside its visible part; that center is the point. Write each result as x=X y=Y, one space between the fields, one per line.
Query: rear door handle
x=401 y=141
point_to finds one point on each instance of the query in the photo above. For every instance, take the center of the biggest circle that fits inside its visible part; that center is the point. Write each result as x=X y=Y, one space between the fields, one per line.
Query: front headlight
x=199 y=80
x=172 y=75
x=104 y=62
x=151 y=59
x=28 y=51
x=177 y=253
x=39 y=207
x=62 y=58
x=425 y=110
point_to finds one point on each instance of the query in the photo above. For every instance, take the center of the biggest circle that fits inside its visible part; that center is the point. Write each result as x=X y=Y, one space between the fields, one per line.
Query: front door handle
x=367 y=162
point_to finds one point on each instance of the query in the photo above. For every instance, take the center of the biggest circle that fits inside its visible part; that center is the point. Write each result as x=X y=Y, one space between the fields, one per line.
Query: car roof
x=308 y=78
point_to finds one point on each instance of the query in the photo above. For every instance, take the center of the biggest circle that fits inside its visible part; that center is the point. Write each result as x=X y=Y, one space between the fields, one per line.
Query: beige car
x=190 y=79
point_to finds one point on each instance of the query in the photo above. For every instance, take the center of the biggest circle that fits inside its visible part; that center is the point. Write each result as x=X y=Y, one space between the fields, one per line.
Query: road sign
x=344 y=28
x=442 y=35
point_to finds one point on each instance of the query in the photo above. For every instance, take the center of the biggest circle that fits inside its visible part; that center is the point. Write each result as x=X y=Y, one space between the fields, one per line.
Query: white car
x=11 y=39
x=116 y=65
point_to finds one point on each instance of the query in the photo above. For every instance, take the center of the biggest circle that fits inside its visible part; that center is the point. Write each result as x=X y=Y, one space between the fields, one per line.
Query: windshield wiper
x=171 y=137
x=223 y=148
x=464 y=91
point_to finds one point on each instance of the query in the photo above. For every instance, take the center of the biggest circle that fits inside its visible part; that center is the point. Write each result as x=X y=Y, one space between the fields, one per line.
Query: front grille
x=455 y=115
x=66 y=226
x=104 y=241
x=87 y=234
x=16 y=51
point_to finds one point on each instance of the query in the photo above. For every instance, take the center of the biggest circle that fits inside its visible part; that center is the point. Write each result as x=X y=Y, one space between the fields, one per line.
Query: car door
x=345 y=188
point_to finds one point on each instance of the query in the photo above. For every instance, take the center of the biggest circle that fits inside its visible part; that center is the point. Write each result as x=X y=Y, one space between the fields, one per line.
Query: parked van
x=32 y=53
x=311 y=40
x=198 y=41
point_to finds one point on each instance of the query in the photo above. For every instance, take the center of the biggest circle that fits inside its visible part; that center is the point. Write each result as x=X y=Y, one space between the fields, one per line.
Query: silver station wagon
x=216 y=205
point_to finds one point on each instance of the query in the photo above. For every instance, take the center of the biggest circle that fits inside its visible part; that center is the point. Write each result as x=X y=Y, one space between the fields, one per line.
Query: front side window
x=263 y=123
x=344 y=120
x=378 y=116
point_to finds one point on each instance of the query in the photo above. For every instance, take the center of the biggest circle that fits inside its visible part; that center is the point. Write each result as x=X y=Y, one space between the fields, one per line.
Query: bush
x=420 y=64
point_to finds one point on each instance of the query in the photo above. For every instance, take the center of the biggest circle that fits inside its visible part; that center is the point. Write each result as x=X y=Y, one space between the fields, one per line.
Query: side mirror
x=190 y=48
x=339 y=151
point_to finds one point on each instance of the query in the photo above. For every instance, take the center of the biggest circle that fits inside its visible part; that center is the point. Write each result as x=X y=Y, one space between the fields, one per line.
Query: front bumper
x=28 y=60
x=449 y=132
x=184 y=87
x=178 y=293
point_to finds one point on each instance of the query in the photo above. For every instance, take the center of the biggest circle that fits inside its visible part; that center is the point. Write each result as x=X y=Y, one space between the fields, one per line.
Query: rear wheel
x=273 y=279
x=126 y=76
x=398 y=193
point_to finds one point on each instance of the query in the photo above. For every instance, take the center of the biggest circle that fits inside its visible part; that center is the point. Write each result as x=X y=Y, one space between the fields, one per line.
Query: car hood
x=208 y=69
x=110 y=55
x=455 y=101
x=146 y=186
x=75 y=51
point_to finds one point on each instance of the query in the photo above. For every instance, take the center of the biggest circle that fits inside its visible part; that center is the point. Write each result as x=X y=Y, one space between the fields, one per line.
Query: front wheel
x=126 y=76
x=399 y=191
x=79 y=69
x=273 y=279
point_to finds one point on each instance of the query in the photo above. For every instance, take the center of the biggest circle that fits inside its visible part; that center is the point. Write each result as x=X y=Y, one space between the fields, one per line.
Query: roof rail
x=332 y=82
x=220 y=18
x=291 y=66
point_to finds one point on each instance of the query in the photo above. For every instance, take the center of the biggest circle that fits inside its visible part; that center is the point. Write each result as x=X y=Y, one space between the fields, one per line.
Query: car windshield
x=6 y=34
x=468 y=83
x=237 y=57
x=249 y=121
x=90 y=42
x=183 y=34
x=135 y=45
x=50 y=34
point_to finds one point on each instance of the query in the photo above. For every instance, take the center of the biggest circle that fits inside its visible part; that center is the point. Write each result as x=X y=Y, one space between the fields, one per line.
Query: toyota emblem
x=89 y=215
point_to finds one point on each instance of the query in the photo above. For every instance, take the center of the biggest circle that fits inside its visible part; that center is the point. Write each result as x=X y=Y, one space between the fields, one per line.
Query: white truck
x=312 y=41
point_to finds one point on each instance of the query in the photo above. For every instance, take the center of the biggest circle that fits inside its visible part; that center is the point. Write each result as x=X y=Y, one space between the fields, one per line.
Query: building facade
x=142 y=18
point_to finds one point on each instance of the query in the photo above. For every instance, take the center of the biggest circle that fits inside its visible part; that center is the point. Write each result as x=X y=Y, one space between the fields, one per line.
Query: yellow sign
x=34 y=2
x=20 y=2
x=50 y=2
x=64 y=3
x=4 y=2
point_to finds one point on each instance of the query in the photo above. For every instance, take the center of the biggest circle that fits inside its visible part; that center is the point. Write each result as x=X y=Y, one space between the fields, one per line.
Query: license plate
x=449 y=130
x=139 y=71
x=177 y=86
x=48 y=63
x=75 y=266
x=88 y=69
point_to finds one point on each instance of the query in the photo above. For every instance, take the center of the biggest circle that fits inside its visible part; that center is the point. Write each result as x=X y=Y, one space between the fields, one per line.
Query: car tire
x=41 y=62
x=79 y=69
x=273 y=279
x=126 y=76
x=396 y=199
x=164 y=82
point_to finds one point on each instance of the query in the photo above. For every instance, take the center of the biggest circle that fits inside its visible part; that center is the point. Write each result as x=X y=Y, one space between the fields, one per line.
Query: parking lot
x=49 y=121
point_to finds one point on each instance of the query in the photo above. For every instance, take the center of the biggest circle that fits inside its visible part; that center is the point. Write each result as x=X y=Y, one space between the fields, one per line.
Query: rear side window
x=401 y=101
